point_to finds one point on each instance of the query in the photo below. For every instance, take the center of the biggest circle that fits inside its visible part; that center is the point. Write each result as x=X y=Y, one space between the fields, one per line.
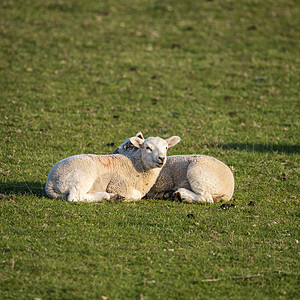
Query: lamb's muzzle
x=160 y=161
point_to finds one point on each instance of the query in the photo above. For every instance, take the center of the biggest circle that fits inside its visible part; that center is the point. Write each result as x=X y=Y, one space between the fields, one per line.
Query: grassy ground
x=81 y=76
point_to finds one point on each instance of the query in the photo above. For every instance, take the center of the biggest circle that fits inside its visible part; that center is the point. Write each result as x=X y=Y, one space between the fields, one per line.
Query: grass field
x=81 y=77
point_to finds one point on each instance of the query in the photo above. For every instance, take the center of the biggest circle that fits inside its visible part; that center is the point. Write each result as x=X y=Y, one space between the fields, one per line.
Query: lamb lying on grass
x=88 y=177
x=189 y=178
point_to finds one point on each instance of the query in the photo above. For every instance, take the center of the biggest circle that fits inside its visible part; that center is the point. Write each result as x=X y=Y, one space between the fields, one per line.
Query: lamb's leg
x=78 y=196
x=97 y=197
x=188 y=196
x=76 y=193
x=135 y=196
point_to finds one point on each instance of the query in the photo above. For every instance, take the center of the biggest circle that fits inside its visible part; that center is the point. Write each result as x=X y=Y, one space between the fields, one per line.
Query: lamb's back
x=174 y=174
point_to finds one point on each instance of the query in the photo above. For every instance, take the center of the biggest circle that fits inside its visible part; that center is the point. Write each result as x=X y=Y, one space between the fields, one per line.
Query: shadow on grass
x=22 y=188
x=289 y=149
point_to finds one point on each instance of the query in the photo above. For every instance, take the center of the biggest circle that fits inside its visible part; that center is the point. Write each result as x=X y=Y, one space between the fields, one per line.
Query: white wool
x=88 y=177
x=189 y=178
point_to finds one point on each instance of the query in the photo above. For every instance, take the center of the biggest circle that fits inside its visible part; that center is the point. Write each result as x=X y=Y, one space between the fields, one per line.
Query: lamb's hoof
x=177 y=197
x=116 y=198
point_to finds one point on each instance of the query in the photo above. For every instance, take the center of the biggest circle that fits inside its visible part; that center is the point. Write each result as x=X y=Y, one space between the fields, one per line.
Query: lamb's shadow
x=38 y=188
x=22 y=188
x=288 y=149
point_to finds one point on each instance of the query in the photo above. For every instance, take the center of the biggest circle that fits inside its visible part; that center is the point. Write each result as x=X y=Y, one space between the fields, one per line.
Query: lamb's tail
x=51 y=192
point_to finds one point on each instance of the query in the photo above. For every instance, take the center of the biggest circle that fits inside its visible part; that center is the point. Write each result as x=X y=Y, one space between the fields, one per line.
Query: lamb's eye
x=148 y=148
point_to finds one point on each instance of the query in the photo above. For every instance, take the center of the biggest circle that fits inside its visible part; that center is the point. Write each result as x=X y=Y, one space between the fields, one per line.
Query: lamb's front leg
x=100 y=196
x=78 y=195
x=188 y=196
x=97 y=197
x=135 y=196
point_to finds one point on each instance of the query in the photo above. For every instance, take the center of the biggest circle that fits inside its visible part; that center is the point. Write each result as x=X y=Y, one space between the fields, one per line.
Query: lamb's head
x=127 y=148
x=153 y=150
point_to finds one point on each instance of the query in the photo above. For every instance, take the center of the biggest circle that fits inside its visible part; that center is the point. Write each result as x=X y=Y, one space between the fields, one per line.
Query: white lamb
x=189 y=178
x=88 y=177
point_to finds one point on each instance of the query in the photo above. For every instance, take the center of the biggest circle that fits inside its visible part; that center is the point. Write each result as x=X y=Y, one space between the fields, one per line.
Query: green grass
x=76 y=76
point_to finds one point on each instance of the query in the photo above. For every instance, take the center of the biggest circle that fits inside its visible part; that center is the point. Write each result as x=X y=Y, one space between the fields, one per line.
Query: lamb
x=91 y=178
x=189 y=178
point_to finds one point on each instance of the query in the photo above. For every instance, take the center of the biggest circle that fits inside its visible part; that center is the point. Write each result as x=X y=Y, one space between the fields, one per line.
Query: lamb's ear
x=137 y=142
x=140 y=135
x=173 y=140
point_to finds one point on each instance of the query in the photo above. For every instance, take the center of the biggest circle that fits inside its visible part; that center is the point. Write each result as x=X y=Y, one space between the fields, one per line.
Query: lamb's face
x=153 y=149
x=154 y=152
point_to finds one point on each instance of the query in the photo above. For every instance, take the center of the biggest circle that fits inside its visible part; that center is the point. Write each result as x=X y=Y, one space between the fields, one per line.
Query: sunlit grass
x=81 y=77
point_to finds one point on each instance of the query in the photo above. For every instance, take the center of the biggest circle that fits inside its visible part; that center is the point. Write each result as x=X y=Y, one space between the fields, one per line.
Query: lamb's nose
x=161 y=159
